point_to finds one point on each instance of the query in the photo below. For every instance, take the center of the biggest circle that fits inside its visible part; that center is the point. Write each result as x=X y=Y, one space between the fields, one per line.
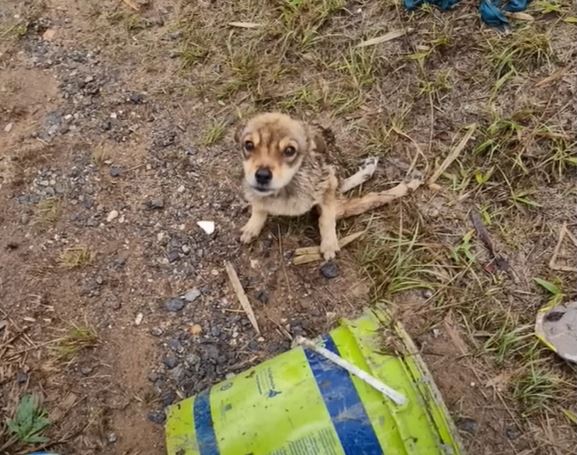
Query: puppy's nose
x=263 y=175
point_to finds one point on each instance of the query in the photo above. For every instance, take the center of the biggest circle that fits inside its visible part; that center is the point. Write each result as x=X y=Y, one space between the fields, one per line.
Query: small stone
x=111 y=438
x=207 y=226
x=175 y=345
x=154 y=204
x=170 y=361
x=156 y=331
x=115 y=171
x=185 y=249
x=86 y=370
x=427 y=293
x=181 y=189
x=49 y=34
x=157 y=417
x=21 y=377
x=8 y=127
x=329 y=270
x=168 y=398
x=467 y=425
x=112 y=215
x=174 y=304
x=114 y=304
x=192 y=359
x=136 y=98
x=172 y=256
x=195 y=329
x=262 y=296
x=138 y=319
x=191 y=295
x=154 y=376
x=113 y=115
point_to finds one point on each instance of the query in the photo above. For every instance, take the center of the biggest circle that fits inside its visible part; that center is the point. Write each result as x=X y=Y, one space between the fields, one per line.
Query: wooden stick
x=453 y=155
x=240 y=294
x=309 y=254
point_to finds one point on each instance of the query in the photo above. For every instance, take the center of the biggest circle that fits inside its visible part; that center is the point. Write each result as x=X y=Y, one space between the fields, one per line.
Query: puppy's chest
x=289 y=206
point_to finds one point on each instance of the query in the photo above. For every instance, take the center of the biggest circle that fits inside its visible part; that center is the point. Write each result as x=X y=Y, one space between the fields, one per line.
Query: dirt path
x=116 y=303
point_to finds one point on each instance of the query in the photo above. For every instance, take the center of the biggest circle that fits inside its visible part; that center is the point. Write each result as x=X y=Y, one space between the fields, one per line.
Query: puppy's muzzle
x=263 y=176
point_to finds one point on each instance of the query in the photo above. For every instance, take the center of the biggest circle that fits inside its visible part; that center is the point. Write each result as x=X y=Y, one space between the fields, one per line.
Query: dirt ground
x=116 y=125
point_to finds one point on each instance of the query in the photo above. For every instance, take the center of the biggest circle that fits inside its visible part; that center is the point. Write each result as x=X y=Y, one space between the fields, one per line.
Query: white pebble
x=112 y=215
x=207 y=226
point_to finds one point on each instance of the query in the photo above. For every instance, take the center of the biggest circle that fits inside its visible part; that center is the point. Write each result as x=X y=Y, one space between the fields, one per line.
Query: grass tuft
x=47 y=211
x=78 y=338
x=75 y=257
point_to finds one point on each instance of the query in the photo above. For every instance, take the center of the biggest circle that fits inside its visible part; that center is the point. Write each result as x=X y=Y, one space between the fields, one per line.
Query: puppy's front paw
x=329 y=249
x=248 y=233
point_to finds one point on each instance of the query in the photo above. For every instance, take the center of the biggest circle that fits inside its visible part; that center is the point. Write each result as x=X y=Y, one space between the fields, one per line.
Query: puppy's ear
x=238 y=132
x=319 y=144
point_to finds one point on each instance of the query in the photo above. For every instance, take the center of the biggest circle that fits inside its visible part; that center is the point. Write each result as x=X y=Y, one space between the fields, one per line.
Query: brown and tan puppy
x=286 y=172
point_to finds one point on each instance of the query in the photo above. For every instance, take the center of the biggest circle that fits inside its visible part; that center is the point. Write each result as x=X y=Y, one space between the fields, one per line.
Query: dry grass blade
x=520 y=16
x=383 y=38
x=249 y=25
x=552 y=78
x=131 y=4
x=309 y=254
x=453 y=155
x=241 y=295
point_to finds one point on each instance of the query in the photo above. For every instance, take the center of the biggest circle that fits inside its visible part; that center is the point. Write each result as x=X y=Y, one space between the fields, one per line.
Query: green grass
x=524 y=49
x=29 y=421
x=538 y=388
x=215 y=133
x=77 y=339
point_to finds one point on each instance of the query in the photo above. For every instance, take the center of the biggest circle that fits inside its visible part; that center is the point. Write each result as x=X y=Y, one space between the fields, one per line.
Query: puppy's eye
x=289 y=151
x=248 y=146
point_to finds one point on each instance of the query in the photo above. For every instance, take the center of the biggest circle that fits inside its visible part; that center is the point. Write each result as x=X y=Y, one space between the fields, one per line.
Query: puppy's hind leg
x=366 y=171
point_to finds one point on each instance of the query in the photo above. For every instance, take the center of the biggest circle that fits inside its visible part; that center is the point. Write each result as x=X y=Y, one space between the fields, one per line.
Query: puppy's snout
x=263 y=175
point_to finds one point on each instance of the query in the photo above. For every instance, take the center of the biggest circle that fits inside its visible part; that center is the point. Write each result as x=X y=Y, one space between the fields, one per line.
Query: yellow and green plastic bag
x=300 y=403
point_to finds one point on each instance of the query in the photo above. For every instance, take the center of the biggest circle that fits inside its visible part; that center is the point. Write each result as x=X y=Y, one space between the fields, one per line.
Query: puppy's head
x=273 y=148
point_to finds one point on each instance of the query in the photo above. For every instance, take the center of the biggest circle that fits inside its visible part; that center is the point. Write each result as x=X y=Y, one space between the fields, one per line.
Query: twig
x=453 y=155
x=377 y=384
x=241 y=295
x=417 y=147
x=313 y=253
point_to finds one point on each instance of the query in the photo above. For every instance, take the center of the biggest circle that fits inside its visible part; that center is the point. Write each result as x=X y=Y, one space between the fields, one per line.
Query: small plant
x=462 y=252
x=525 y=49
x=536 y=388
x=75 y=257
x=78 y=338
x=47 y=211
x=215 y=133
x=553 y=288
x=29 y=421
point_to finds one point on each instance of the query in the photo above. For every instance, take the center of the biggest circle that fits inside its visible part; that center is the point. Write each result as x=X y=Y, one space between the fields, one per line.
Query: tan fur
x=298 y=182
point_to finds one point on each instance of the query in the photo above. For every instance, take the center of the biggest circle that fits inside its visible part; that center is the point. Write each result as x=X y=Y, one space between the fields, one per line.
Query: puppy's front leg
x=252 y=228
x=328 y=228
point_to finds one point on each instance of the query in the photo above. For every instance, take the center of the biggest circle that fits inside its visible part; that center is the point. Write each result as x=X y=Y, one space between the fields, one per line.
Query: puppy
x=287 y=172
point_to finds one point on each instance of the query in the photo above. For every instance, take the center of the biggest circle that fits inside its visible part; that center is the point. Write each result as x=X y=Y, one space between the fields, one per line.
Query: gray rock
x=157 y=417
x=191 y=295
x=111 y=438
x=175 y=345
x=172 y=256
x=115 y=171
x=467 y=425
x=154 y=204
x=191 y=359
x=170 y=361
x=174 y=304
x=156 y=331
x=329 y=270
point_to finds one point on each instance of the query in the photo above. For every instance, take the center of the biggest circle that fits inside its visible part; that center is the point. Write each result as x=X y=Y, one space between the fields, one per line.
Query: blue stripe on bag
x=204 y=425
x=343 y=403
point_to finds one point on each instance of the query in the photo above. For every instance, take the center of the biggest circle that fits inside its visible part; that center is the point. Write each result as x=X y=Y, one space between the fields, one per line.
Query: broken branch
x=240 y=294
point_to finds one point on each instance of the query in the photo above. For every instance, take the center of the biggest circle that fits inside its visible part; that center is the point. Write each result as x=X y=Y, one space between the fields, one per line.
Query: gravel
x=174 y=304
